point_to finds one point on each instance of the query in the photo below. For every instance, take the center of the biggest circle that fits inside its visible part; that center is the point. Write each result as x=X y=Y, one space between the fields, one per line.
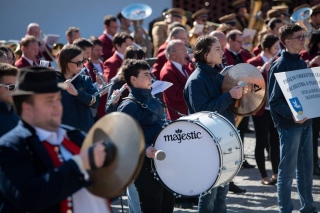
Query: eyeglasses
x=79 y=63
x=10 y=87
x=300 y=37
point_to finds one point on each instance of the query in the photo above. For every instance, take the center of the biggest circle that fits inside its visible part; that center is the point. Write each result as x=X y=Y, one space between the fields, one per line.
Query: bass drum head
x=192 y=161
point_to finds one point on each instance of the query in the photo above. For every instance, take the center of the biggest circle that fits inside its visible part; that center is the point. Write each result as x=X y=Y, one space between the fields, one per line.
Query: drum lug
x=237 y=163
x=237 y=148
x=224 y=168
x=230 y=151
x=217 y=139
x=197 y=120
x=211 y=114
x=231 y=134
x=165 y=125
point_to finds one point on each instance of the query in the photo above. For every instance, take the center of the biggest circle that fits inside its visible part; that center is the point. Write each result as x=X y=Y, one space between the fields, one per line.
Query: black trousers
x=154 y=198
x=315 y=136
x=266 y=133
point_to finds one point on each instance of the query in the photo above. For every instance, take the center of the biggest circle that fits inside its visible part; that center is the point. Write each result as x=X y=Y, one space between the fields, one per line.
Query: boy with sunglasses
x=9 y=118
x=295 y=136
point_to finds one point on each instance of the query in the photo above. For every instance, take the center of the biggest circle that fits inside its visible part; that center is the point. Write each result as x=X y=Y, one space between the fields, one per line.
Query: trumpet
x=123 y=88
x=102 y=89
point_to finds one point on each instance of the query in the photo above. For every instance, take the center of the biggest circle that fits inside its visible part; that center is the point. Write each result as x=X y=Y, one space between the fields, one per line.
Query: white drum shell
x=203 y=150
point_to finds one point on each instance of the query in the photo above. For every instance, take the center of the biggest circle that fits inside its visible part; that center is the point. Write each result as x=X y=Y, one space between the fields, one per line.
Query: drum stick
x=243 y=84
x=160 y=155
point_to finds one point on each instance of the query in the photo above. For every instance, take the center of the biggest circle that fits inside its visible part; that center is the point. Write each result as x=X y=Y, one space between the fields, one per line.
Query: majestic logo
x=179 y=136
x=295 y=103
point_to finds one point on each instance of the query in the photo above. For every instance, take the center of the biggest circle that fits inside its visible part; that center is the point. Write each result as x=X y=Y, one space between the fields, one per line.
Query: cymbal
x=254 y=88
x=127 y=137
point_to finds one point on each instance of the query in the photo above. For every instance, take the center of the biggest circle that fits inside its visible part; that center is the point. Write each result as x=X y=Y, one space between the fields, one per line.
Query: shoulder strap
x=143 y=105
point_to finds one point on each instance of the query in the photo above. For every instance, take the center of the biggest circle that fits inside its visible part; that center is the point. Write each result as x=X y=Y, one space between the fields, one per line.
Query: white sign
x=301 y=88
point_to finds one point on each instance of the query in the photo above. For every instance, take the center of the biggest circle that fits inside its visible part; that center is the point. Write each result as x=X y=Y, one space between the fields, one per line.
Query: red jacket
x=111 y=66
x=108 y=48
x=306 y=56
x=229 y=56
x=161 y=60
x=173 y=96
x=103 y=99
x=162 y=48
x=22 y=62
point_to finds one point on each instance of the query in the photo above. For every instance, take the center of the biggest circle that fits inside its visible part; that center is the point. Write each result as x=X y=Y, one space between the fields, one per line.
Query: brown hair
x=7 y=70
x=268 y=41
x=132 y=67
x=27 y=40
x=286 y=31
x=202 y=47
x=70 y=30
x=120 y=38
x=108 y=19
x=67 y=53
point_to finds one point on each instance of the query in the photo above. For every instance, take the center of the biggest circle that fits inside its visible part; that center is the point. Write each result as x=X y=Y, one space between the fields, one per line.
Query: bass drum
x=202 y=151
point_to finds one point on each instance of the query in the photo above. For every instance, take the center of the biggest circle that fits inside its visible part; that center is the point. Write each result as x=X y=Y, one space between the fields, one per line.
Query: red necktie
x=57 y=160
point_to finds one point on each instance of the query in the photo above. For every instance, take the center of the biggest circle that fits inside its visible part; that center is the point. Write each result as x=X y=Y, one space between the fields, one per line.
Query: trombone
x=54 y=51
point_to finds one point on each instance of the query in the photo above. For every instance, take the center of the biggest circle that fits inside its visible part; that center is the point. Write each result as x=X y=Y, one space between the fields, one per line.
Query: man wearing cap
x=41 y=166
x=229 y=19
x=315 y=17
x=200 y=19
x=160 y=28
x=8 y=116
x=242 y=17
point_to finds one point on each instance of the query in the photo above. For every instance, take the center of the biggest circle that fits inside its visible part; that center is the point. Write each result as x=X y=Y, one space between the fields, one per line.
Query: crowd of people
x=117 y=75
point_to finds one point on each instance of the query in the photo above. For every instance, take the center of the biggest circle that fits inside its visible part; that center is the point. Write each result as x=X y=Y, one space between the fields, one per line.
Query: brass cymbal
x=126 y=135
x=254 y=88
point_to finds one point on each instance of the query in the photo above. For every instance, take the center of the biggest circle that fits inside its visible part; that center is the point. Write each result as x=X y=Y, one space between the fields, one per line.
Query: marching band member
x=273 y=27
x=124 y=23
x=200 y=17
x=10 y=54
x=177 y=33
x=118 y=81
x=78 y=99
x=110 y=29
x=242 y=16
x=30 y=50
x=160 y=28
x=72 y=34
x=295 y=136
x=174 y=71
x=203 y=93
x=312 y=56
x=315 y=17
x=41 y=166
x=8 y=115
x=154 y=197
x=110 y=67
x=266 y=133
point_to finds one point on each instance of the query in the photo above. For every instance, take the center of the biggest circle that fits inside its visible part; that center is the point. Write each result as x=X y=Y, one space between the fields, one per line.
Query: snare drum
x=202 y=151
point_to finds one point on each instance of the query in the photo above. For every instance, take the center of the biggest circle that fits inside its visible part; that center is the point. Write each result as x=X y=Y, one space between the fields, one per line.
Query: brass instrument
x=255 y=7
x=54 y=51
x=301 y=17
x=15 y=46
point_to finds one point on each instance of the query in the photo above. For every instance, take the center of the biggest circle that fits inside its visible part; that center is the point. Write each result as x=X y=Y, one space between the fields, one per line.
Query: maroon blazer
x=306 y=56
x=111 y=66
x=229 y=56
x=258 y=61
x=108 y=48
x=162 y=48
x=103 y=99
x=91 y=73
x=22 y=62
x=257 y=50
x=156 y=68
x=173 y=96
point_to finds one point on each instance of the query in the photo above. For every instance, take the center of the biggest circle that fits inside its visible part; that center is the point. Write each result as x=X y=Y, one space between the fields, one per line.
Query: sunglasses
x=79 y=63
x=10 y=87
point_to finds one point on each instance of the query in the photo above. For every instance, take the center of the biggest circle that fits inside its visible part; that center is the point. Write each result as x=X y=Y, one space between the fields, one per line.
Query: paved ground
x=258 y=198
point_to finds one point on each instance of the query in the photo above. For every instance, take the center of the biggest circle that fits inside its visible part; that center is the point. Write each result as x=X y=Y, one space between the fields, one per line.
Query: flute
x=102 y=89
x=123 y=88
x=81 y=71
